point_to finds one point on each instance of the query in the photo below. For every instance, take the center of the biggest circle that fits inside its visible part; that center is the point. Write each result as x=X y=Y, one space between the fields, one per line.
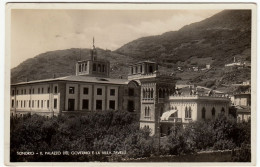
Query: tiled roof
x=74 y=78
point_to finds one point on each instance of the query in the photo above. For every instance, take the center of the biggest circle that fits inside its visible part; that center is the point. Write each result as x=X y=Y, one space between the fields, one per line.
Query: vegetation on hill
x=215 y=40
x=63 y=63
x=116 y=136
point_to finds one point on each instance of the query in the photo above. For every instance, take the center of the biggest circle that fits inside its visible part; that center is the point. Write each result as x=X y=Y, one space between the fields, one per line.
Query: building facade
x=146 y=92
x=91 y=89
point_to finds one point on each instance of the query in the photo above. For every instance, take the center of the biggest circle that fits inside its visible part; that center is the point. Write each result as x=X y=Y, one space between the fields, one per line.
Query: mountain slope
x=219 y=37
x=62 y=63
x=214 y=41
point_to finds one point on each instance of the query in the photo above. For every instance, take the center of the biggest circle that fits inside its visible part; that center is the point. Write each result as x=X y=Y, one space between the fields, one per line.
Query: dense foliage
x=107 y=133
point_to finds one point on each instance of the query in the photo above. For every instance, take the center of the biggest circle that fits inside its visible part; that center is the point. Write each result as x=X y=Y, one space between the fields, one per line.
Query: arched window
x=186 y=112
x=163 y=95
x=152 y=93
x=223 y=110
x=94 y=67
x=148 y=93
x=189 y=113
x=160 y=93
x=147 y=111
x=203 y=113
x=213 y=112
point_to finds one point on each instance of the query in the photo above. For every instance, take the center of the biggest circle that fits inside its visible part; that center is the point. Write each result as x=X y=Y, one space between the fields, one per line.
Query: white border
x=127 y=6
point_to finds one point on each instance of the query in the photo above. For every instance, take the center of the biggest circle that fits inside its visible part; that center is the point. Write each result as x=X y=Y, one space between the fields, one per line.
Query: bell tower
x=94 y=66
x=155 y=89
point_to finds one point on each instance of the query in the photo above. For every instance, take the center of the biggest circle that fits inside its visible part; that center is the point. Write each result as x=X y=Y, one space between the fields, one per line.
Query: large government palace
x=146 y=92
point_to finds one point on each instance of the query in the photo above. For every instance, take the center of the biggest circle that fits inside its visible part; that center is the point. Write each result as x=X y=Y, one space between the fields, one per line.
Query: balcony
x=147 y=99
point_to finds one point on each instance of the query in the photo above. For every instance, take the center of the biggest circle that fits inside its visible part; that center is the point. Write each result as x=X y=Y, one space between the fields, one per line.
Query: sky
x=36 y=31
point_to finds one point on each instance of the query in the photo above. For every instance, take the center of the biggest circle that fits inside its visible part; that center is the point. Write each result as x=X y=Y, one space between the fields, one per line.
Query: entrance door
x=131 y=106
x=71 y=104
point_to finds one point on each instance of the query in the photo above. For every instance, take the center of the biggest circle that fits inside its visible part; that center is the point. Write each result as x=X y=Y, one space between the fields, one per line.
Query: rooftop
x=140 y=62
x=75 y=78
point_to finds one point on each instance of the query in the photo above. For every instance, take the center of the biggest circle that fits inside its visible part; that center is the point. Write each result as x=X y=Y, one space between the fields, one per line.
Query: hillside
x=219 y=37
x=62 y=63
x=215 y=41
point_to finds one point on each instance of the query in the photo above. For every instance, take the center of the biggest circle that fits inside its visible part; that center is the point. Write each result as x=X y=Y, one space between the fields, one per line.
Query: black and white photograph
x=130 y=83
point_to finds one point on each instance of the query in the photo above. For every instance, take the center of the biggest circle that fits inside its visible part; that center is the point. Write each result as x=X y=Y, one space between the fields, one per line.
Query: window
x=30 y=91
x=42 y=103
x=48 y=103
x=17 y=92
x=33 y=91
x=103 y=68
x=80 y=68
x=85 y=91
x=16 y=103
x=42 y=90
x=39 y=91
x=112 y=92
x=24 y=103
x=147 y=111
x=223 y=110
x=160 y=93
x=186 y=112
x=56 y=89
x=12 y=92
x=189 y=112
x=99 y=91
x=22 y=91
x=12 y=103
x=203 y=113
x=99 y=68
x=21 y=103
x=85 y=67
x=131 y=92
x=33 y=104
x=49 y=90
x=94 y=67
x=29 y=103
x=25 y=91
x=38 y=105
x=85 y=104
x=71 y=90
x=213 y=112
x=55 y=104
x=99 y=105
x=112 y=104
x=150 y=69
